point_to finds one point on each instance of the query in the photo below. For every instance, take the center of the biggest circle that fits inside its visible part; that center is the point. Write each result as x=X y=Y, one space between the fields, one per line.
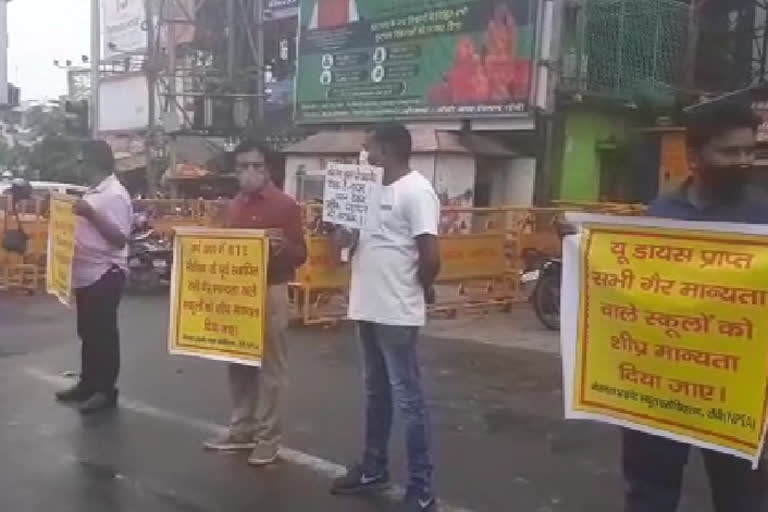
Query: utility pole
x=689 y=78
x=260 y=60
x=95 y=64
x=231 y=39
x=172 y=99
x=150 y=68
x=4 y=52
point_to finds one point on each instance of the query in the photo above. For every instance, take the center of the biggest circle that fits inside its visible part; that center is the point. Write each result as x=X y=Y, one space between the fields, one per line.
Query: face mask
x=728 y=182
x=252 y=181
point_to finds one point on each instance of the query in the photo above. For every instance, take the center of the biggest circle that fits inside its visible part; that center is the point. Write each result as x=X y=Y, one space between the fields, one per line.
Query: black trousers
x=97 y=327
x=653 y=471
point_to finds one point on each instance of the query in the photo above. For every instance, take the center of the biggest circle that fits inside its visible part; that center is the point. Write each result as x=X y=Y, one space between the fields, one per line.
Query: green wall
x=580 y=166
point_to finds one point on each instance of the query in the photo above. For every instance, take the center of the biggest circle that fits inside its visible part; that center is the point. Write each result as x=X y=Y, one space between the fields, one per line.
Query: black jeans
x=97 y=327
x=653 y=470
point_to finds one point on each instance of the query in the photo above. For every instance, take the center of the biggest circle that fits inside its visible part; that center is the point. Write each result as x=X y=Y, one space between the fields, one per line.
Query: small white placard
x=352 y=196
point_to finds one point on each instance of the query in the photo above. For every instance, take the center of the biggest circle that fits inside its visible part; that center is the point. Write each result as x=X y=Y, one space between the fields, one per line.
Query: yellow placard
x=471 y=256
x=672 y=333
x=61 y=248
x=218 y=294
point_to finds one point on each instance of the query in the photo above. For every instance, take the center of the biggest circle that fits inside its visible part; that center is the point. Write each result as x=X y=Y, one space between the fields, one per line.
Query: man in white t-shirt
x=393 y=270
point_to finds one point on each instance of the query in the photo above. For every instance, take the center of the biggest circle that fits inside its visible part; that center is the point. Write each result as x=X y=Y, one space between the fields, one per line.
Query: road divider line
x=326 y=468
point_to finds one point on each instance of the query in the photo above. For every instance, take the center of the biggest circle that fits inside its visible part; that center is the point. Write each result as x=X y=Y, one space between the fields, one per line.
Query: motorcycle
x=546 y=294
x=149 y=259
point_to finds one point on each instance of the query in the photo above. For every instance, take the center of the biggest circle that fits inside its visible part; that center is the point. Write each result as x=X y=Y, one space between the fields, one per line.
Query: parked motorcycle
x=546 y=294
x=149 y=259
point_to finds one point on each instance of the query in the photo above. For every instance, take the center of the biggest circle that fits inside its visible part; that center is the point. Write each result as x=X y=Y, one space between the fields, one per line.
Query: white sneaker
x=264 y=453
x=230 y=442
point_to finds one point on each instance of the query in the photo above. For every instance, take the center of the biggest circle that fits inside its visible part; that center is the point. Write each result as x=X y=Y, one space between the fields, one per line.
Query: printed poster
x=218 y=294
x=352 y=196
x=61 y=248
x=363 y=60
x=665 y=329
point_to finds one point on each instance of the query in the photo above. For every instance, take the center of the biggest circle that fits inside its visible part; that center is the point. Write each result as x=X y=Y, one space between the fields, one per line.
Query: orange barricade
x=25 y=272
x=320 y=289
x=482 y=251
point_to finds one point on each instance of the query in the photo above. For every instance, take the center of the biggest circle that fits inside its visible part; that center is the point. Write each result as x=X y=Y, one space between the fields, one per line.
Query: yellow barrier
x=25 y=272
x=320 y=289
x=482 y=250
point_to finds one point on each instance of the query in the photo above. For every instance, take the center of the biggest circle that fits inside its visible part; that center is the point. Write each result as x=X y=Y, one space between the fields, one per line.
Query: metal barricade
x=25 y=272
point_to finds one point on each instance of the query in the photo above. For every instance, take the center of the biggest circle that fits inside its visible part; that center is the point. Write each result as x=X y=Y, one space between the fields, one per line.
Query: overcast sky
x=40 y=31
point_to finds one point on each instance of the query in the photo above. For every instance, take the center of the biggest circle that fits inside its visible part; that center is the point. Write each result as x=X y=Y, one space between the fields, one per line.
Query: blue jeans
x=392 y=368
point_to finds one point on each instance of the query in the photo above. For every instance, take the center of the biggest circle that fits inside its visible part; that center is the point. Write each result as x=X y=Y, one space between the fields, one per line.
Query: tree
x=44 y=150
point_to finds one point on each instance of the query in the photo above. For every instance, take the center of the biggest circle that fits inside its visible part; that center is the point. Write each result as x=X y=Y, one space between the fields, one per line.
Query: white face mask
x=251 y=181
x=363 y=158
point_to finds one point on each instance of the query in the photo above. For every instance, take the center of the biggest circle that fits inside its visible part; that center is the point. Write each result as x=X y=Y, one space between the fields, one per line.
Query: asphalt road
x=501 y=442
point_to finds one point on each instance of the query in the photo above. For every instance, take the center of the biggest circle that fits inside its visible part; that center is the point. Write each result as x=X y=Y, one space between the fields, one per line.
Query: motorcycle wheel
x=546 y=301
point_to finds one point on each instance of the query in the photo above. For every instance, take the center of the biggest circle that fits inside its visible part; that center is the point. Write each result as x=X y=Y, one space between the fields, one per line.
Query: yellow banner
x=672 y=333
x=61 y=248
x=471 y=256
x=218 y=294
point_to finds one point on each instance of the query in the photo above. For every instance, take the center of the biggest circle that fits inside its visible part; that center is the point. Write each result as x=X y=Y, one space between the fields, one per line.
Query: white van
x=43 y=188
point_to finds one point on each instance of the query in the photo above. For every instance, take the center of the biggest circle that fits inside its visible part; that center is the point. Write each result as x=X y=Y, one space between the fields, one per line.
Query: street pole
x=231 y=48
x=3 y=52
x=260 y=60
x=691 y=46
x=172 y=99
x=150 y=70
x=95 y=63
x=544 y=99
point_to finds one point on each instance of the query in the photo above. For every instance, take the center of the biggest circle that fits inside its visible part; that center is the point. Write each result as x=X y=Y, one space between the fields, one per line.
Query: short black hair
x=396 y=137
x=253 y=144
x=99 y=154
x=710 y=120
x=256 y=144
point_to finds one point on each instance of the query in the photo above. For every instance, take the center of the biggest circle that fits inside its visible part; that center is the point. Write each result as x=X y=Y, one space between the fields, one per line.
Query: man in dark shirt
x=721 y=142
x=255 y=392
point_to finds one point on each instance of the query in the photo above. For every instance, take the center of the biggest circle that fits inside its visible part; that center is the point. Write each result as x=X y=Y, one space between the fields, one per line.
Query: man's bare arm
x=429 y=260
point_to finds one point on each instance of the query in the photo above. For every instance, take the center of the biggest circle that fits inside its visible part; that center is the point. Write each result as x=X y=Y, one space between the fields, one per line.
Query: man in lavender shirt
x=98 y=273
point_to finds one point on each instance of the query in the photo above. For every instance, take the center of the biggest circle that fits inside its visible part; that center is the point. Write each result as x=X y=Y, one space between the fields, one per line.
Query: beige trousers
x=256 y=392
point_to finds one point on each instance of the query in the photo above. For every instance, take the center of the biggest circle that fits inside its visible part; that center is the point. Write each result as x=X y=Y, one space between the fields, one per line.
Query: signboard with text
x=279 y=9
x=362 y=60
x=218 y=294
x=352 y=196
x=61 y=248
x=664 y=331
x=124 y=27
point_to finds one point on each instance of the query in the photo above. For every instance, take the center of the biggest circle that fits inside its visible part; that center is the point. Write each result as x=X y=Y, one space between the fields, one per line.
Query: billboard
x=362 y=60
x=123 y=103
x=279 y=9
x=124 y=27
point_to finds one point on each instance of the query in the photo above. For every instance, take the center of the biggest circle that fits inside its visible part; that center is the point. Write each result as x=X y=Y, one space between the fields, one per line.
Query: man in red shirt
x=255 y=392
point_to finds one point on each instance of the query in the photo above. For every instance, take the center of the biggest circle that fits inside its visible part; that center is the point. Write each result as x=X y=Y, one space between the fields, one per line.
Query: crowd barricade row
x=483 y=252
x=25 y=272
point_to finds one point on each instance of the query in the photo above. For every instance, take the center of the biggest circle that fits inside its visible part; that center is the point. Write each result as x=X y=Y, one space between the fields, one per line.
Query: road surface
x=501 y=444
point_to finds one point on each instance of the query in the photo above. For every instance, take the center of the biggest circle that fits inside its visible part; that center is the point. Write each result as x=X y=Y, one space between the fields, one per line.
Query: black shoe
x=99 y=402
x=76 y=393
x=416 y=501
x=358 y=481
